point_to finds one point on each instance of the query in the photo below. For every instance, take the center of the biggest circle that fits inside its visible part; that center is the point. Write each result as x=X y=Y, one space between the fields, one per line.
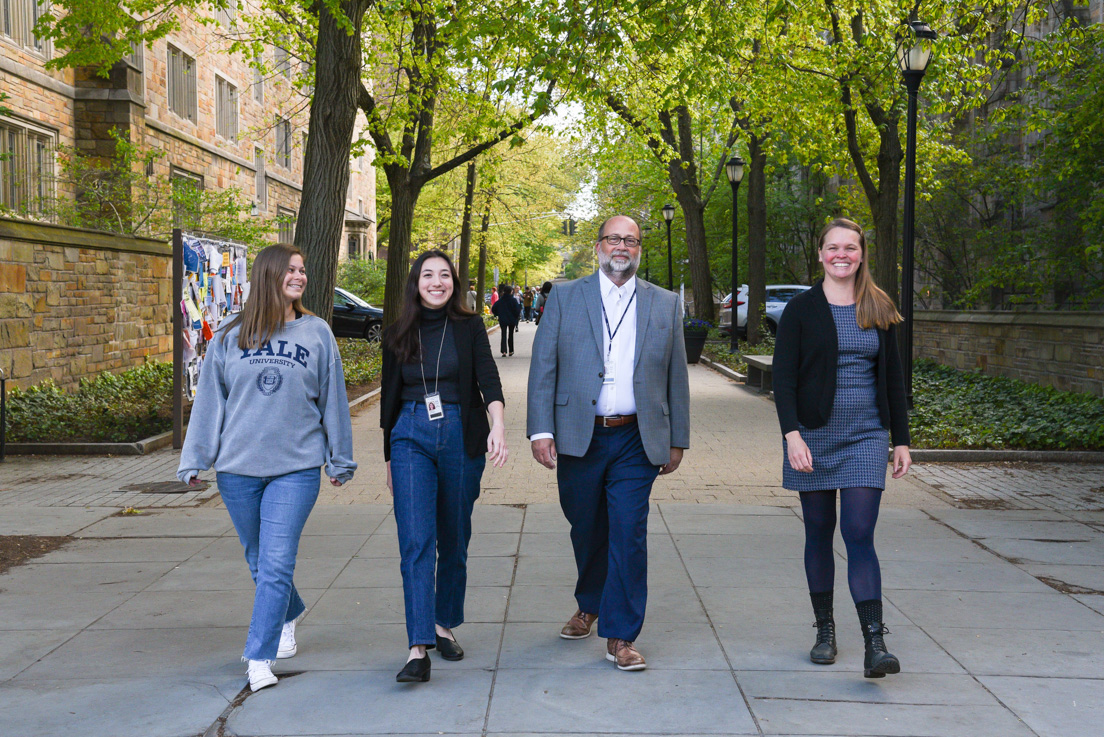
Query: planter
x=695 y=342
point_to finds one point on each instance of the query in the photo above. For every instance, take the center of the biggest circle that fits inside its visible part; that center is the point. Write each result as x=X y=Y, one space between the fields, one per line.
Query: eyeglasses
x=616 y=240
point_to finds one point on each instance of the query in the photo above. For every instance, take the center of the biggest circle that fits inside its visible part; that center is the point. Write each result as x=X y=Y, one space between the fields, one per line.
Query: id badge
x=433 y=406
x=608 y=374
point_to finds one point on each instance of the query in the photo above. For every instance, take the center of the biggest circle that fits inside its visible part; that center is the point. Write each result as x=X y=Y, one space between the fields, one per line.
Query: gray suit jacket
x=565 y=374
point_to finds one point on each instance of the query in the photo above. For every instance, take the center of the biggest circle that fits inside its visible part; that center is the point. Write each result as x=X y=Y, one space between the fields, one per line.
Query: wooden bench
x=759 y=370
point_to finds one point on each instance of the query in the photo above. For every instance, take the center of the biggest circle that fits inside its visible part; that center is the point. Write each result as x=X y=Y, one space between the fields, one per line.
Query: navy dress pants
x=604 y=495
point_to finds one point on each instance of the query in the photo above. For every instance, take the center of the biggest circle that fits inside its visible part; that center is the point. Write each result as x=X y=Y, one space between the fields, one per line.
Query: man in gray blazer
x=609 y=399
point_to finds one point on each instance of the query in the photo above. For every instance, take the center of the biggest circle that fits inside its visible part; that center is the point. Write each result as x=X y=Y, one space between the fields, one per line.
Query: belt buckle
x=609 y=418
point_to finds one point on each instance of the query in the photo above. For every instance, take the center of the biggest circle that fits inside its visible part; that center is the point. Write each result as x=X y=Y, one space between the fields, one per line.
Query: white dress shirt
x=620 y=353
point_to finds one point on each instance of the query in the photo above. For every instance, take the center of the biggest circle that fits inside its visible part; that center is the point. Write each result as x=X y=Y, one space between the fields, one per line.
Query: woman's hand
x=389 y=487
x=902 y=461
x=496 y=445
x=334 y=481
x=801 y=459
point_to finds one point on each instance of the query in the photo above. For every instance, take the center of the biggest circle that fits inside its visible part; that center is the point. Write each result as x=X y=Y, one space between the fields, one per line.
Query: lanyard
x=625 y=312
x=421 y=364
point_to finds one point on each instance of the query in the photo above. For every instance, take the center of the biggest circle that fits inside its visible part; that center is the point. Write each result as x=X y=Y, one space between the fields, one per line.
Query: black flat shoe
x=415 y=671
x=449 y=649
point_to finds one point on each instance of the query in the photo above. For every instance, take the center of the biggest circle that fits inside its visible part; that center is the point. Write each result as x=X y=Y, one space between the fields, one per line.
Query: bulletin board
x=210 y=283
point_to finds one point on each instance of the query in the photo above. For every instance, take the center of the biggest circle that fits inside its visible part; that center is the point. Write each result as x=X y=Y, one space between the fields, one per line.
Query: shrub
x=361 y=360
x=364 y=278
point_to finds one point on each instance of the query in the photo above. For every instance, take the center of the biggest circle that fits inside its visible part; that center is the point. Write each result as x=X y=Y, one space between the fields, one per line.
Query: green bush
x=364 y=278
x=361 y=360
x=717 y=350
x=111 y=408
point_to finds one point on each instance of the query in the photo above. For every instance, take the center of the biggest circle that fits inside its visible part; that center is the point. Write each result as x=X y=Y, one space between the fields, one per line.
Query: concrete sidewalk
x=135 y=629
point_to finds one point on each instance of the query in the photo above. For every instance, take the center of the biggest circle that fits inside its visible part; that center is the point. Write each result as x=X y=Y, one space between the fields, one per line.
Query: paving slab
x=594 y=701
x=928 y=576
x=20 y=649
x=736 y=606
x=995 y=610
x=50 y=521
x=182 y=523
x=88 y=577
x=1052 y=707
x=555 y=604
x=745 y=546
x=1090 y=577
x=134 y=550
x=370 y=703
x=1027 y=652
x=57 y=610
x=1088 y=552
x=981 y=528
x=385 y=605
x=786 y=716
x=1096 y=602
x=368 y=646
x=170 y=609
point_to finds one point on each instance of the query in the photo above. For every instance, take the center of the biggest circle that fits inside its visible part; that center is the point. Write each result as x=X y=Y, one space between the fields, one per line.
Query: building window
x=352 y=246
x=262 y=180
x=283 y=142
x=17 y=22
x=282 y=57
x=226 y=15
x=187 y=198
x=137 y=56
x=182 y=84
x=26 y=167
x=286 y=220
x=226 y=109
x=258 y=79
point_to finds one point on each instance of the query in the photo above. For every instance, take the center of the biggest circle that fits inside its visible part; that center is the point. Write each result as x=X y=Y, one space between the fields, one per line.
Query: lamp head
x=668 y=212
x=914 y=47
x=735 y=169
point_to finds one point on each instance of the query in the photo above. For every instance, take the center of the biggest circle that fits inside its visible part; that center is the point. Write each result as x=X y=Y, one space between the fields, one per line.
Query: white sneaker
x=288 y=648
x=260 y=675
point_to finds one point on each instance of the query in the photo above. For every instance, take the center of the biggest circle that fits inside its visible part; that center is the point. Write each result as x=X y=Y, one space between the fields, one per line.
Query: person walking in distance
x=508 y=311
x=839 y=392
x=269 y=411
x=439 y=383
x=609 y=409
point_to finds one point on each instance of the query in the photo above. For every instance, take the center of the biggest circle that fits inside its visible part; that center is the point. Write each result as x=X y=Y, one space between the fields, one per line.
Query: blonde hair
x=873 y=307
x=264 y=311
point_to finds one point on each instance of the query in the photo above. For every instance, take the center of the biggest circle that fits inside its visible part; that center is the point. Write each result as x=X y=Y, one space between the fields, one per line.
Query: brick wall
x=74 y=303
x=1060 y=349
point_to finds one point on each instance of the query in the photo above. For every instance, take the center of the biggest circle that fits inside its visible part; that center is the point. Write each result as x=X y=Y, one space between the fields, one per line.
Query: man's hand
x=544 y=450
x=676 y=459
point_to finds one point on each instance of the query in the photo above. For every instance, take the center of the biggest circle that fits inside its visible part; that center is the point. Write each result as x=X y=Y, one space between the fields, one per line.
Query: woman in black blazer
x=439 y=383
x=840 y=395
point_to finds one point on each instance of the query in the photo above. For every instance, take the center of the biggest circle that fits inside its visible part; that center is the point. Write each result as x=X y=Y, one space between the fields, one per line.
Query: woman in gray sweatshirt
x=269 y=411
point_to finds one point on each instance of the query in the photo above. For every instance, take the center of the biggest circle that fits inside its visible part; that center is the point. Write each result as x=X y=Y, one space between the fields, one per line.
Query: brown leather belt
x=614 y=420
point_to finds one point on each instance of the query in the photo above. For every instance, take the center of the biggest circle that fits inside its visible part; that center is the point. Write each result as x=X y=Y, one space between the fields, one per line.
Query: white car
x=777 y=297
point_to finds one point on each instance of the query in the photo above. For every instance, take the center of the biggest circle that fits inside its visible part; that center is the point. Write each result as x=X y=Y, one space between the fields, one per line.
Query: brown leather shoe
x=578 y=626
x=624 y=654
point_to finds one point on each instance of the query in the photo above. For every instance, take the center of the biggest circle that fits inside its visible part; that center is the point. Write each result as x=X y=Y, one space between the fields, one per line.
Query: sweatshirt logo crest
x=269 y=381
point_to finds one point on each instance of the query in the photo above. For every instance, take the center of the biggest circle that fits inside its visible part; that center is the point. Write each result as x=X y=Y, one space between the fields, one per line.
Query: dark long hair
x=402 y=337
x=264 y=311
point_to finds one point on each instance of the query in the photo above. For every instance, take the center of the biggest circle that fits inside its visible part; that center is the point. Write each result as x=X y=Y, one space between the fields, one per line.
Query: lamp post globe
x=669 y=215
x=735 y=171
x=914 y=52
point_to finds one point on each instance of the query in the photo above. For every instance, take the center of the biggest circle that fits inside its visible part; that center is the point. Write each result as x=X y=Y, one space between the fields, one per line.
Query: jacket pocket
x=561 y=399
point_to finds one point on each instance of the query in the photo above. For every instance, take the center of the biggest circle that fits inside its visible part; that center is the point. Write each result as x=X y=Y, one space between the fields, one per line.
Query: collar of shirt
x=611 y=290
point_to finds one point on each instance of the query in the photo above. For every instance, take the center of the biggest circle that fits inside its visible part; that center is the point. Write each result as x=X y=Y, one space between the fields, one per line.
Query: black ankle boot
x=879 y=661
x=824 y=651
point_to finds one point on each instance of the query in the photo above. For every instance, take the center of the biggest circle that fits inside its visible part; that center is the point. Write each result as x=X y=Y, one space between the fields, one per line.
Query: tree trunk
x=404 y=196
x=481 y=286
x=465 y=229
x=884 y=209
x=757 y=237
x=333 y=114
x=701 y=281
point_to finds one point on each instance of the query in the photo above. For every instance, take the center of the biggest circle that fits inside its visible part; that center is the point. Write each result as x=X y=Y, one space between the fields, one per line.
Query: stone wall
x=74 y=303
x=1059 y=349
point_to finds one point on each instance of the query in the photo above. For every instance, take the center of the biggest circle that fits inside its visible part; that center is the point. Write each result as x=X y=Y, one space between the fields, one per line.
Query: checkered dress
x=851 y=450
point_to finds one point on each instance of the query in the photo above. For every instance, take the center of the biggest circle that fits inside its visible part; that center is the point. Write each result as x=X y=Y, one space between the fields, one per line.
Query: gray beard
x=605 y=263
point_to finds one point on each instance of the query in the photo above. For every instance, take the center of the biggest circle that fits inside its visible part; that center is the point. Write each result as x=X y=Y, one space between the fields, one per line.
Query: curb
x=954 y=455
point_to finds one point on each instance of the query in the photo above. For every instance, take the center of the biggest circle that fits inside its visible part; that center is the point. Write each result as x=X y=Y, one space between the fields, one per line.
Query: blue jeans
x=604 y=495
x=269 y=514
x=436 y=484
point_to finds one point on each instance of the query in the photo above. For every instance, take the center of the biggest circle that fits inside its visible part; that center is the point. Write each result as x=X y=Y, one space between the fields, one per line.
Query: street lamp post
x=735 y=171
x=669 y=215
x=914 y=50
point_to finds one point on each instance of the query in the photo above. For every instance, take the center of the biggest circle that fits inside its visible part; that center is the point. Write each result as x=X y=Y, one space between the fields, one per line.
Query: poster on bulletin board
x=210 y=283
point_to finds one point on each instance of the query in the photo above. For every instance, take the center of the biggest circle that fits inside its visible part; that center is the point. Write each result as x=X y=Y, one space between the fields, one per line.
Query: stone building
x=219 y=120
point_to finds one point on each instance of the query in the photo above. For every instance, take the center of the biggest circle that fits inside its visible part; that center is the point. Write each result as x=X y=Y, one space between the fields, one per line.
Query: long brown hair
x=873 y=307
x=402 y=337
x=264 y=311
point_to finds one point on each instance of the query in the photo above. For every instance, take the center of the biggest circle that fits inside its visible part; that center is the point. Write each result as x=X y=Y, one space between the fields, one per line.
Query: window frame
x=188 y=97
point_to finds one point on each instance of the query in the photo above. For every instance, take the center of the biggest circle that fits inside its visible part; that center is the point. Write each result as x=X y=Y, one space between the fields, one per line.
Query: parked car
x=777 y=297
x=355 y=318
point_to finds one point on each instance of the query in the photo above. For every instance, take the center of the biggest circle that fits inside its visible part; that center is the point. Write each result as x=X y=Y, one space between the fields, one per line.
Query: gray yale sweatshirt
x=271 y=410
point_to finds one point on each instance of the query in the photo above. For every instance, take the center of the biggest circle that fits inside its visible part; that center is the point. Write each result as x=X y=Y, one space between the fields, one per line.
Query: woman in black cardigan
x=840 y=395
x=439 y=383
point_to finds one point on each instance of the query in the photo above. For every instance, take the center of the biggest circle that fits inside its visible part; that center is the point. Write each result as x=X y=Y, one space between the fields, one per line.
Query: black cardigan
x=806 y=356
x=479 y=385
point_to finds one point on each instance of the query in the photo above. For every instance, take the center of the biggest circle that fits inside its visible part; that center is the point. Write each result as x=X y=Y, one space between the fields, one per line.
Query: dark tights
x=858 y=516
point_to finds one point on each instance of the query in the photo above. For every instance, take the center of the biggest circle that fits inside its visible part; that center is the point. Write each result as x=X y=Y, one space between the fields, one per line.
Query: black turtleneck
x=448 y=378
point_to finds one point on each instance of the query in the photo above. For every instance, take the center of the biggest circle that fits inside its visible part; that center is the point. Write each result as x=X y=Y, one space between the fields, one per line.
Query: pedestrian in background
x=541 y=298
x=439 y=383
x=269 y=411
x=840 y=396
x=527 y=304
x=508 y=311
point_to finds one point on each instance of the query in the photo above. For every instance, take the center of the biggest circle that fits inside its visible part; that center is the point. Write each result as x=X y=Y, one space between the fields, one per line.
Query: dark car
x=355 y=318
